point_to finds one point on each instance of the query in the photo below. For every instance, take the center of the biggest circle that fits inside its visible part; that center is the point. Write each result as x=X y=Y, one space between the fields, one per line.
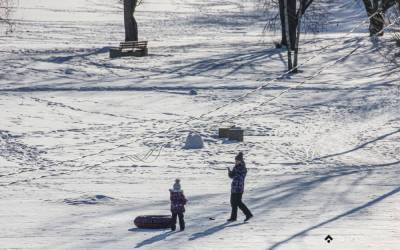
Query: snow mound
x=88 y=200
x=194 y=141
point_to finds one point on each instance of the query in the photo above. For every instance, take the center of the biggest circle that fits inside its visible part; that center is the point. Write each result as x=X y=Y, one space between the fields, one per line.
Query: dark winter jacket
x=178 y=201
x=238 y=174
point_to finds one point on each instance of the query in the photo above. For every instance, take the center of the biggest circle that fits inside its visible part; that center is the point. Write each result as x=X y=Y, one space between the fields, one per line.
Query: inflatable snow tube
x=153 y=221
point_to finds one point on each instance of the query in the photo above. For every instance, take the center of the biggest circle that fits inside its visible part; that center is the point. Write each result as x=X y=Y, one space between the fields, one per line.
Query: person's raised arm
x=231 y=173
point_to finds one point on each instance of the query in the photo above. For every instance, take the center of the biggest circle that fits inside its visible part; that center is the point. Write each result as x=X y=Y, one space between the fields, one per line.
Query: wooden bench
x=130 y=48
x=233 y=133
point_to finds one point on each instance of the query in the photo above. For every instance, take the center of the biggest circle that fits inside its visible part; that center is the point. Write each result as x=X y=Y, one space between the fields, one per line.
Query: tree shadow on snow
x=340 y=216
x=269 y=198
x=231 y=62
x=155 y=239
x=361 y=146
x=358 y=147
x=86 y=53
x=213 y=230
x=282 y=194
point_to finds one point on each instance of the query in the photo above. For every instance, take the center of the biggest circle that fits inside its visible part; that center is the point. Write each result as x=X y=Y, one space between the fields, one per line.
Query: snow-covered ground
x=323 y=158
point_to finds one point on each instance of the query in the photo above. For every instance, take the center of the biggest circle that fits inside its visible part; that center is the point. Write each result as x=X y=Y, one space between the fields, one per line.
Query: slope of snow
x=323 y=158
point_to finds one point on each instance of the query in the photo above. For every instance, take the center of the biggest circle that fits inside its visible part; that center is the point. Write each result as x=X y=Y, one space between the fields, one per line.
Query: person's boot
x=173 y=227
x=248 y=217
x=231 y=220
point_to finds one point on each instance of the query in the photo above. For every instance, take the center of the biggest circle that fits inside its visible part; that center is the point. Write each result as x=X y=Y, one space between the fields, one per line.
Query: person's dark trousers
x=236 y=201
x=181 y=221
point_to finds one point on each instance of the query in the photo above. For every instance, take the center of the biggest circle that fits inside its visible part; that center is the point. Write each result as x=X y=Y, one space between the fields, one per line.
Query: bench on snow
x=130 y=48
x=233 y=133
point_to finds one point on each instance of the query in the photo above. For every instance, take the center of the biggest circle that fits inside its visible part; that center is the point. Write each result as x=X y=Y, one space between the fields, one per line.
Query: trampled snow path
x=323 y=159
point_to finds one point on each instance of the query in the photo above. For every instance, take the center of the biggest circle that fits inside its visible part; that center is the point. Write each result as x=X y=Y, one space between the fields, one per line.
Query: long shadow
x=214 y=230
x=344 y=95
x=233 y=62
x=230 y=20
x=347 y=213
x=63 y=59
x=155 y=239
x=296 y=187
x=269 y=201
x=359 y=146
x=363 y=145
x=46 y=88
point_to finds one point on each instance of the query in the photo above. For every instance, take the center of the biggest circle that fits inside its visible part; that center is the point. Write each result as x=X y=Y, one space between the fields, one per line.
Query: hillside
x=322 y=157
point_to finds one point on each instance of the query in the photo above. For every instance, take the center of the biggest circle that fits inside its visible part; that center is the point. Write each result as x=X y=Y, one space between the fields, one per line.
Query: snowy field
x=323 y=158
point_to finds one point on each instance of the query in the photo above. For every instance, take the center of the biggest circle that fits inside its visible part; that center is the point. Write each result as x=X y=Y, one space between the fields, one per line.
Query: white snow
x=80 y=134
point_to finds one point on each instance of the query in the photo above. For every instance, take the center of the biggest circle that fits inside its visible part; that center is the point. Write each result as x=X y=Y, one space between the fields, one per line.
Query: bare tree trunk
x=376 y=12
x=296 y=47
x=290 y=26
x=283 y=26
x=287 y=33
x=131 y=29
x=291 y=11
x=6 y=23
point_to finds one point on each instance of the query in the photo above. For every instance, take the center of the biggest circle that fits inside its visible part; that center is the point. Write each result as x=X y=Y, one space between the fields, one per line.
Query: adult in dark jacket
x=238 y=175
